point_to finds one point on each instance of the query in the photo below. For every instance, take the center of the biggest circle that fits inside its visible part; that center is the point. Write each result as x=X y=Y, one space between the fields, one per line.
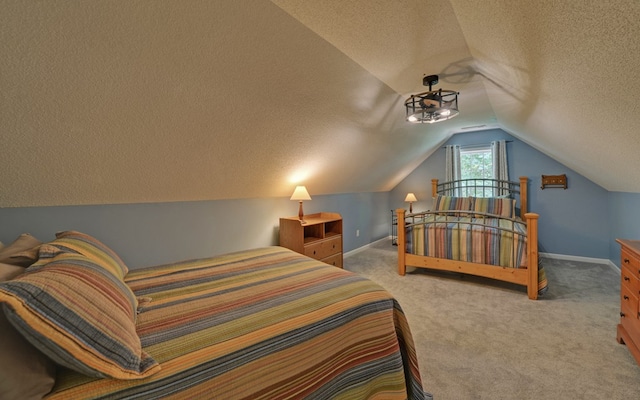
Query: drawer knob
x=626 y=278
x=625 y=297
x=622 y=314
x=626 y=261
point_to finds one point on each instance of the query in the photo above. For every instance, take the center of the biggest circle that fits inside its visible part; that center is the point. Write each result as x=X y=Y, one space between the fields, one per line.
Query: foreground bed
x=482 y=236
x=266 y=323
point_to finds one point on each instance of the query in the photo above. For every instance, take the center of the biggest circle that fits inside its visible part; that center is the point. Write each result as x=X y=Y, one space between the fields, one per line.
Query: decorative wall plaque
x=554 y=181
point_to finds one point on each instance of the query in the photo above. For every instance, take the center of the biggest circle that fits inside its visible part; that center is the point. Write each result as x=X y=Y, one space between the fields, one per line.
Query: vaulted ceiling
x=107 y=102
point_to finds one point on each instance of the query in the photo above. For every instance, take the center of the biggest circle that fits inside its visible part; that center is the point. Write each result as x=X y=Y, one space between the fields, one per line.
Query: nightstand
x=320 y=237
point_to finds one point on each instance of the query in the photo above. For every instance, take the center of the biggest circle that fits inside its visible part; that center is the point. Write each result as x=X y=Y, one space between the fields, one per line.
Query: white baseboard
x=362 y=248
x=544 y=255
x=582 y=259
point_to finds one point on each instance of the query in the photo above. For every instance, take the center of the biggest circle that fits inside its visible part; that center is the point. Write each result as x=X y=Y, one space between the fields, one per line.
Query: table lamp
x=409 y=199
x=300 y=194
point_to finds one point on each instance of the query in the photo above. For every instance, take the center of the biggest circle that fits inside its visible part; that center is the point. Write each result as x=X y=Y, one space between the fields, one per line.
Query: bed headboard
x=517 y=190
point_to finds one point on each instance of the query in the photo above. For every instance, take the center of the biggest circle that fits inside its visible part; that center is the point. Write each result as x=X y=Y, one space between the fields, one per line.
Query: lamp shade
x=410 y=197
x=300 y=194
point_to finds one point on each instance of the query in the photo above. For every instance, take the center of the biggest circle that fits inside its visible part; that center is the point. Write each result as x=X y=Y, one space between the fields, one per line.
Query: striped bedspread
x=263 y=324
x=492 y=241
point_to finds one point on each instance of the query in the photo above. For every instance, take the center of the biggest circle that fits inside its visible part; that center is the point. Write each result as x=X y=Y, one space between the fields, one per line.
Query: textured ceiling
x=124 y=102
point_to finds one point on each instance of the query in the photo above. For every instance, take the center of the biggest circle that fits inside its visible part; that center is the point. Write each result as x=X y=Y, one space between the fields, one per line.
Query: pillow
x=31 y=374
x=88 y=246
x=8 y=271
x=75 y=242
x=503 y=207
x=23 y=251
x=444 y=203
x=78 y=313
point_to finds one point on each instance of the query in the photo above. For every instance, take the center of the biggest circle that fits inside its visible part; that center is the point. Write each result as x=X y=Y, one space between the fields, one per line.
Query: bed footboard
x=521 y=276
x=532 y=254
x=402 y=242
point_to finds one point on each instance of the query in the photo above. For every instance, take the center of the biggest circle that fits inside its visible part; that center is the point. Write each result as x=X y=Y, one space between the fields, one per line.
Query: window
x=476 y=163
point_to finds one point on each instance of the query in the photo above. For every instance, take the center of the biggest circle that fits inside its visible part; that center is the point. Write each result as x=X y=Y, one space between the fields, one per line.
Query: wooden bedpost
x=402 y=268
x=532 y=254
x=434 y=187
x=523 y=196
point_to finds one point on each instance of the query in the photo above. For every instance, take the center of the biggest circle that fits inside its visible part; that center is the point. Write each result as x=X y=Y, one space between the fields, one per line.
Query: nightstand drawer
x=630 y=261
x=335 y=260
x=320 y=249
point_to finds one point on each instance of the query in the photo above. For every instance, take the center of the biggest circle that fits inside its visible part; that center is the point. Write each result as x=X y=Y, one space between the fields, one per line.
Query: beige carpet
x=480 y=339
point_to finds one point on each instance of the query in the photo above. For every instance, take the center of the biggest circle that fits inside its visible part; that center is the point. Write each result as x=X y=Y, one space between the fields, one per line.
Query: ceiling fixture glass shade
x=432 y=106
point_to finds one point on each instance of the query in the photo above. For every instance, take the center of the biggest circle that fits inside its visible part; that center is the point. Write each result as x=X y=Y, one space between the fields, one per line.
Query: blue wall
x=150 y=234
x=582 y=221
x=573 y=222
x=624 y=211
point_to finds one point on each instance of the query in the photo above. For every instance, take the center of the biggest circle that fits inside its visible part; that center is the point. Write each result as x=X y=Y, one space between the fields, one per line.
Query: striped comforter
x=492 y=241
x=263 y=324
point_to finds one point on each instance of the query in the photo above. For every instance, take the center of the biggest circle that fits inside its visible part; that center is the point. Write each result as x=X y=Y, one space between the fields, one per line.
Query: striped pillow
x=79 y=314
x=88 y=246
x=26 y=372
x=444 y=203
x=501 y=206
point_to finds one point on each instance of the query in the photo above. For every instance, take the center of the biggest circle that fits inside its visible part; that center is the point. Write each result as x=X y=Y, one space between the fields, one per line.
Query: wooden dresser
x=320 y=237
x=629 y=326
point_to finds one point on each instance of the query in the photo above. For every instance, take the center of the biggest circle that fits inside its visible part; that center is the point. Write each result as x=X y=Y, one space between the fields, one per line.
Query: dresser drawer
x=629 y=280
x=335 y=260
x=630 y=261
x=631 y=325
x=629 y=317
x=321 y=249
x=628 y=302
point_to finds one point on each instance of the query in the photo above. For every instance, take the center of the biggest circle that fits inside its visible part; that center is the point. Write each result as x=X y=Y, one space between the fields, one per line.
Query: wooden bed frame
x=521 y=276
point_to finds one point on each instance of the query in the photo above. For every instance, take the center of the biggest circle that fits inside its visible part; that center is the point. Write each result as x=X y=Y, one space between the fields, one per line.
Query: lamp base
x=301 y=214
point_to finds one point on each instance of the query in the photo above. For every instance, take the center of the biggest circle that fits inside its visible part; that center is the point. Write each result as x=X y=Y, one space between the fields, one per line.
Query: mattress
x=491 y=241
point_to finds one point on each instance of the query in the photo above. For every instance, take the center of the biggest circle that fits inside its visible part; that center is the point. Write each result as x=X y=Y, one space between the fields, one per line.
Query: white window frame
x=466 y=151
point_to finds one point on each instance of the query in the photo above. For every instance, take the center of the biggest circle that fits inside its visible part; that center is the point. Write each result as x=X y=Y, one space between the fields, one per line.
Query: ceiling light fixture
x=432 y=106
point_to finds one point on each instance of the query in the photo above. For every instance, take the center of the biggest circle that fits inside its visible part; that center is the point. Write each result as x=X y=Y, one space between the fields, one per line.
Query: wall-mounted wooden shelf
x=554 y=181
